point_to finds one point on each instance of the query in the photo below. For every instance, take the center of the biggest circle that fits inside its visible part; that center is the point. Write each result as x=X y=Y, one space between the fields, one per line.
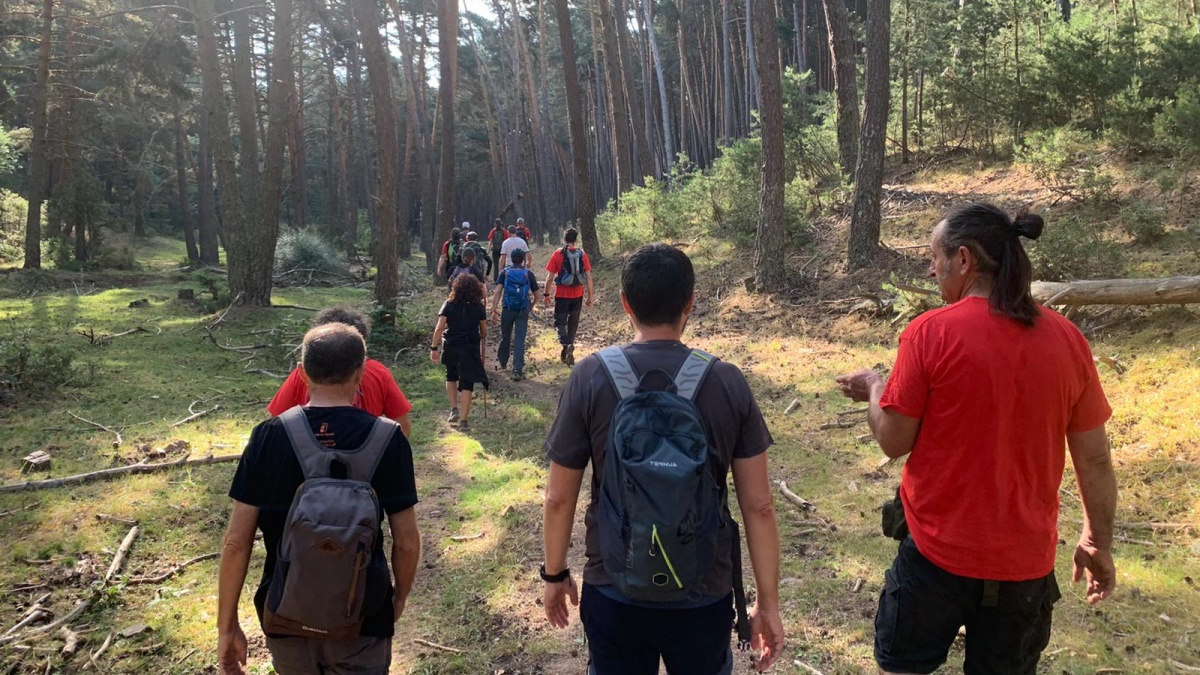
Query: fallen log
x=140 y=467
x=1166 y=291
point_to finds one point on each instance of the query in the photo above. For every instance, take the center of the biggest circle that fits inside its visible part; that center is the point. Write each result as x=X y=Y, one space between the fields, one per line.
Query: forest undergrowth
x=476 y=606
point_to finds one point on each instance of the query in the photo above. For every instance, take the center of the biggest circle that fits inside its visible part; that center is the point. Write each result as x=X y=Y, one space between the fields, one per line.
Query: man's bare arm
x=406 y=551
x=1098 y=490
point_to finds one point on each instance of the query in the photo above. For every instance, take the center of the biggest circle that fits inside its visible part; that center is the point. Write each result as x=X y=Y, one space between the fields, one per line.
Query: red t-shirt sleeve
x=292 y=393
x=555 y=263
x=446 y=248
x=395 y=404
x=1092 y=408
x=907 y=389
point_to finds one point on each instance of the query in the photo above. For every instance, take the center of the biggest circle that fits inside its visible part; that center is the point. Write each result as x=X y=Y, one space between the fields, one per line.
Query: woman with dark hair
x=459 y=343
x=982 y=396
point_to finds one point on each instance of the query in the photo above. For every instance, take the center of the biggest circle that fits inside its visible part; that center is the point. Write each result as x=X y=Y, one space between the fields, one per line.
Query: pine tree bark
x=585 y=205
x=234 y=216
x=245 y=94
x=616 y=99
x=769 y=273
x=39 y=162
x=208 y=227
x=845 y=83
x=668 y=136
x=868 y=181
x=296 y=144
x=447 y=84
x=727 y=71
x=633 y=96
x=387 y=283
x=185 y=211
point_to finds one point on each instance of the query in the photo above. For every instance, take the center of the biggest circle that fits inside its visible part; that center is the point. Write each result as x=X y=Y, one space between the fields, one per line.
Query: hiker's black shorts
x=922 y=607
x=625 y=639
x=450 y=360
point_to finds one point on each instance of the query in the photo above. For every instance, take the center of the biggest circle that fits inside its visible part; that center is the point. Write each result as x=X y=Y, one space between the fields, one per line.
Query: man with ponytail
x=982 y=397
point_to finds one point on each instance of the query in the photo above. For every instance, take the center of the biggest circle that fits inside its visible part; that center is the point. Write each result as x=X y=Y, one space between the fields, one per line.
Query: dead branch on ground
x=72 y=641
x=222 y=317
x=793 y=497
x=157 y=579
x=37 y=611
x=434 y=645
x=807 y=668
x=119 y=559
x=24 y=508
x=244 y=349
x=470 y=537
x=140 y=467
x=105 y=518
x=299 y=307
x=96 y=654
x=194 y=414
x=101 y=340
x=261 y=371
x=116 y=441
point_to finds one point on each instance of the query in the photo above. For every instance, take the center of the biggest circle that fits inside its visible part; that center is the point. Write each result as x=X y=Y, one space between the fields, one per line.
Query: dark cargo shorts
x=922 y=607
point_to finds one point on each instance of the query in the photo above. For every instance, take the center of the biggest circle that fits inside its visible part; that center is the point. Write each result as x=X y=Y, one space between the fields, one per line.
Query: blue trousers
x=510 y=318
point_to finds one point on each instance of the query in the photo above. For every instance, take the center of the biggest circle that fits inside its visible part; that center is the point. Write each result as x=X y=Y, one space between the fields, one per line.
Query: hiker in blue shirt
x=515 y=289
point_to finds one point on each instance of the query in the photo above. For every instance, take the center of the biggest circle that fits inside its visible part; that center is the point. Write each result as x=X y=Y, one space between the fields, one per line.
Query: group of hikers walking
x=986 y=398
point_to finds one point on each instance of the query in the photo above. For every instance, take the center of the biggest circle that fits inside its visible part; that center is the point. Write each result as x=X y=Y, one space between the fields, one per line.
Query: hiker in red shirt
x=569 y=273
x=378 y=393
x=982 y=396
x=524 y=231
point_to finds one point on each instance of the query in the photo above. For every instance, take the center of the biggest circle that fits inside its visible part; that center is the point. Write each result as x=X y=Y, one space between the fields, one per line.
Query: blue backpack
x=516 y=288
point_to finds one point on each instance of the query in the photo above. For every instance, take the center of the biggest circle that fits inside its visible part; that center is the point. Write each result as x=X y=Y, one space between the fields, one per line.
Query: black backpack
x=660 y=507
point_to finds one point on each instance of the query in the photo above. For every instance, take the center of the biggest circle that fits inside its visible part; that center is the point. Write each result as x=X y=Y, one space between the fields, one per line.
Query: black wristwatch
x=554 y=578
x=434 y=348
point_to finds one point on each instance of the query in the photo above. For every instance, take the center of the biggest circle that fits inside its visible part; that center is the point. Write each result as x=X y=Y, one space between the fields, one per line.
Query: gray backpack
x=327 y=577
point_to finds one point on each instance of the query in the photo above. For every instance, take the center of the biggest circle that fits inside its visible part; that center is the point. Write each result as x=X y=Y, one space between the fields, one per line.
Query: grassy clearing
x=480 y=595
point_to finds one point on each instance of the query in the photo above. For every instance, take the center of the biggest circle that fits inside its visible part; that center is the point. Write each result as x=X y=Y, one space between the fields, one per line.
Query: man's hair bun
x=1029 y=225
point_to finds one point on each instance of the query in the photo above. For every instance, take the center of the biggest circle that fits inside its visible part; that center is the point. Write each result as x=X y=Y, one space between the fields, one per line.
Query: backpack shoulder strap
x=692 y=373
x=361 y=463
x=314 y=458
x=620 y=371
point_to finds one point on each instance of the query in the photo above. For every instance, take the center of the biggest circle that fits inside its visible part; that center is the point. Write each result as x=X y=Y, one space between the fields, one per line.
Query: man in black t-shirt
x=264 y=486
x=691 y=636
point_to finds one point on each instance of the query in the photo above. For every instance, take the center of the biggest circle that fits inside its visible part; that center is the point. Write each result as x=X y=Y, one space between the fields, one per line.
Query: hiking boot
x=453 y=416
x=518 y=376
x=569 y=352
x=562 y=354
x=464 y=426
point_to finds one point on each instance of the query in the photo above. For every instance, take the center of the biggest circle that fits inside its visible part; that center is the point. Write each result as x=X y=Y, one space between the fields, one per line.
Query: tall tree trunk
x=904 y=154
x=447 y=84
x=868 y=181
x=668 y=136
x=387 y=284
x=185 y=211
x=769 y=272
x=364 y=171
x=633 y=97
x=39 y=161
x=208 y=228
x=233 y=215
x=586 y=215
x=140 y=185
x=534 y=120
x=752 y=84
x=727 y=70
x=617 y=109
x=258 y=246
x=845 y=84
x=296 y=144
x=245 y=94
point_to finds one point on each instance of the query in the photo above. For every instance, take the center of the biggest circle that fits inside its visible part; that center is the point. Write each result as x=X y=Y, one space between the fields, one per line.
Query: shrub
x=1144 y=222
x=1069 y=163
x=388 y=337
x=28 y=370
x=306 y=250
x=1074 y=247
x=1177 y=127
x=13 y=210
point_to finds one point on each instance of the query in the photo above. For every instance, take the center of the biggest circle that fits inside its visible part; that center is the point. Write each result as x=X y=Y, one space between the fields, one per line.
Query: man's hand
x=766 y=629
x=435 y=356
x=398 y=604
x=1097 y=564
x=858 y=386
x=555 y=601
x=231 y=652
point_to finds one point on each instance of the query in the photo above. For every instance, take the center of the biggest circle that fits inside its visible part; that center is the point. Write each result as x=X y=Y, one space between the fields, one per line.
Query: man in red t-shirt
x=982 y=395
x=378 y=393
x=568 y=274
x=524 y=231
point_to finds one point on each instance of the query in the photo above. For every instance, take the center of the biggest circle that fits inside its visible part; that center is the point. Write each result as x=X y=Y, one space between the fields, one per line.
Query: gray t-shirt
x=734 y=424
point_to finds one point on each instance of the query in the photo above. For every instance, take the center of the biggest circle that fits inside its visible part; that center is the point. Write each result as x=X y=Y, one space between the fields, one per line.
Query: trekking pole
x=485 y=404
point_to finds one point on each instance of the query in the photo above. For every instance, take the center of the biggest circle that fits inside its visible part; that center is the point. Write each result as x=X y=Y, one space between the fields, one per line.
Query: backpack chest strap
x=316 y=460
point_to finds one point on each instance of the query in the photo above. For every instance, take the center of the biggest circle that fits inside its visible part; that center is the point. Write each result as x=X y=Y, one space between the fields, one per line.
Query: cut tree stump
x=37 y=461
x=1166 y=291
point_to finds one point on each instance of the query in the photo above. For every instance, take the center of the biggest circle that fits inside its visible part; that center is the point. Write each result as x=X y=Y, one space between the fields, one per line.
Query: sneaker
x=569 y=359
x=464 y=426
x=518 y=376
x=453 y=416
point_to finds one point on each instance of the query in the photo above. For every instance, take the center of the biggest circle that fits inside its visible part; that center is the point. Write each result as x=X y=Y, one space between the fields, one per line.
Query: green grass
x=481 y=595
